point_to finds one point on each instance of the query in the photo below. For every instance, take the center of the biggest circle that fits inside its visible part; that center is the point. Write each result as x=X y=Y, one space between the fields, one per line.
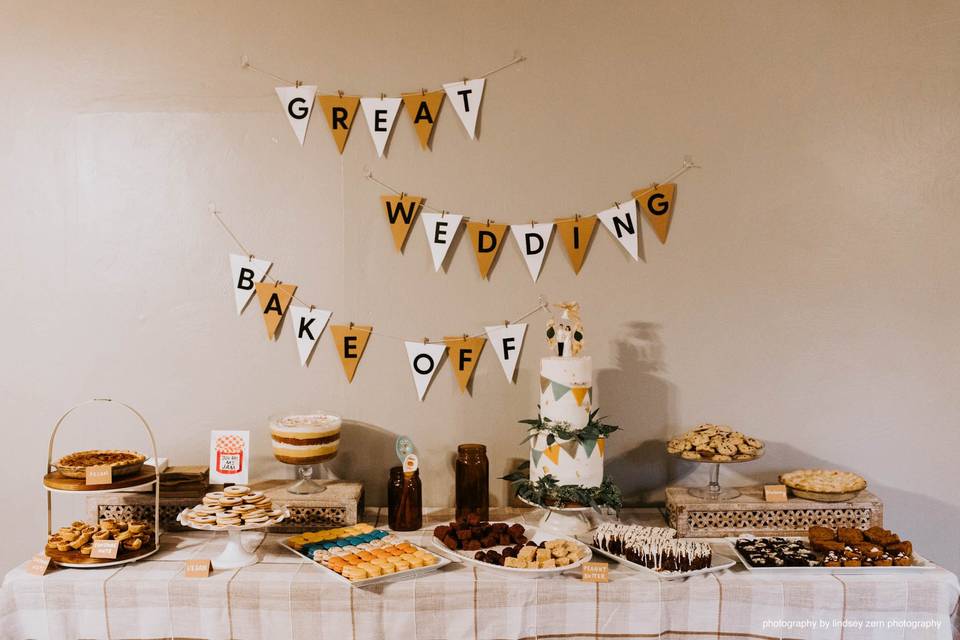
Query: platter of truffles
x=236 y=507
x=658 y=551
x=71 y=546
x=361 y=555
x=510 y=547
x=842 y=550
x=715 y=443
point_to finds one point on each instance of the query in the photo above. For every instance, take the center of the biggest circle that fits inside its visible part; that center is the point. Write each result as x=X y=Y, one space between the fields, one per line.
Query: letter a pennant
x=424 y=359
x=464 y=354
x=487 y=239
x=298 y=105
x=575 y=233
x=309 y=325
x=350 y=340
x=423 y=109
x=621 y=221
x=507 y=341
x=339 y=112
x=466 y=97
x=656 y=203
x=401 y=210
x=247 y=271
x=274 y=298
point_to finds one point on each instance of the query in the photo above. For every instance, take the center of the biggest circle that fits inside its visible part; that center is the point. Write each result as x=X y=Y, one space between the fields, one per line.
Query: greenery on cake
x=593 y=430
x=548 y=492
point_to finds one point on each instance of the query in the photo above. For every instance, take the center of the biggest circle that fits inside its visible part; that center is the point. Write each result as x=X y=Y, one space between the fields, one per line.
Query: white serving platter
x=919 y=563
x=533 y=534
x=721 y=559
x=442 y=561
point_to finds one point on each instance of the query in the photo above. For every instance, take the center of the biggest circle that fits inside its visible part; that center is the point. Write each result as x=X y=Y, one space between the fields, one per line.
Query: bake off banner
x=380 y=112
x=487 y=237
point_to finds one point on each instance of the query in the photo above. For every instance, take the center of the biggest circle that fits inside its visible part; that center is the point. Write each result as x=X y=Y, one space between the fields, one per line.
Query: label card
x=596 y=572
x=229 y=456
x=100 y=474
x=775 y=493
x=105 y=549
x=38 y=565
x=197 y=568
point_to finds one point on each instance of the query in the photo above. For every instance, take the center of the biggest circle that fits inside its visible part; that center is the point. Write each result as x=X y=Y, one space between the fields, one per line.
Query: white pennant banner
x=465 y=96
x=246 y=273
x=441 y=229
x=507 y=342
x=424 y=361
x=533 y=240
x=308 y=325
x=622 y=222
x=298 y=105
x=380 y=115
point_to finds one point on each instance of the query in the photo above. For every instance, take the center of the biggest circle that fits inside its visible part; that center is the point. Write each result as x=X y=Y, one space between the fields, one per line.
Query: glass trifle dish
x=305 y=440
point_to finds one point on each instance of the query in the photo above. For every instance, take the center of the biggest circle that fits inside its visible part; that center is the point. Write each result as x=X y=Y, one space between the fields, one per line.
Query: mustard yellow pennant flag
x=274 y=299
x=656 y=203
x=350 y=340
x=339 y=111
x=576 y=233
x=464 y=352
x=423 y=108
x=487 y=239
x=401 y=211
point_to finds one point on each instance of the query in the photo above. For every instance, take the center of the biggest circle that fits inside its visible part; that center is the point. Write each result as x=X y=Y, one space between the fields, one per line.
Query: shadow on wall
x=640 y=401
x=366 y=451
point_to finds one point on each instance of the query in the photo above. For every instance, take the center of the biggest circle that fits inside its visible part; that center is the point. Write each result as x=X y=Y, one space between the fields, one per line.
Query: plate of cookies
x=715 y=443
x=362 y=555
x=71 y=546
x=831 y=550
x=236 y=507
x=510 y=547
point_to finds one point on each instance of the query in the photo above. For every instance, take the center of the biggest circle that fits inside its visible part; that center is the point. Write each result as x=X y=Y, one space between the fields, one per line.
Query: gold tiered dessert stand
x=55 y=482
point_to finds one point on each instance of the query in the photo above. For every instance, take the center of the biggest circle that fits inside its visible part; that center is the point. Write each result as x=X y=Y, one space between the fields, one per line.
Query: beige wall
x=808 y=294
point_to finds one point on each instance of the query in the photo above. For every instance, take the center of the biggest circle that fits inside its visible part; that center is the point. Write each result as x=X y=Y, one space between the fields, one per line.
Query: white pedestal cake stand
x=234 y=555
x=564 y=521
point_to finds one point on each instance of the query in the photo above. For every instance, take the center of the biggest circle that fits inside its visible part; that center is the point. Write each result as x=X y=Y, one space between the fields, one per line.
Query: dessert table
x=285 y=596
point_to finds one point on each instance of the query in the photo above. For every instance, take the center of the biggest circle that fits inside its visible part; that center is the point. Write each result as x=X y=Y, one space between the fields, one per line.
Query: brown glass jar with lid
x=404 y=500
x=473 y=481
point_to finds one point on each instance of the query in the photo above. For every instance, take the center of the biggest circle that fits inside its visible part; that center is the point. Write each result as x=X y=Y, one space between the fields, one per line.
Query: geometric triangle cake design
x=558 y=389
x=536 y=456
x=553 y=452
x=580 y=393
x=570 y=447
x=602 y=445
x=589 y=446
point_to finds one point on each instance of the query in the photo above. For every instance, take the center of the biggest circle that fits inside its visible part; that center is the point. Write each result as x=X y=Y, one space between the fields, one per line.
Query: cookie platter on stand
x=235 y=509
x=99 y=471
x=716 y=445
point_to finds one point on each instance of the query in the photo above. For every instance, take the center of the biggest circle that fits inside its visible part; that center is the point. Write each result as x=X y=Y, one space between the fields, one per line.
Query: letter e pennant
x=350 y=340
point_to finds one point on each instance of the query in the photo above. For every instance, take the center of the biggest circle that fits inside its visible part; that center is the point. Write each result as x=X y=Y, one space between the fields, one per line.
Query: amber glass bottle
x=404 y=500
x=473 y=480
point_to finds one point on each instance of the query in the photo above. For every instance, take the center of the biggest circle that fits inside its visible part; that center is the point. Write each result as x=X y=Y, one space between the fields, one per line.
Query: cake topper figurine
x=566 y=333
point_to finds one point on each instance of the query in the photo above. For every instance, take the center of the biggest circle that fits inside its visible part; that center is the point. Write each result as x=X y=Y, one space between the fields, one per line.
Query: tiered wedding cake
x=567 y=441
x=565 y=396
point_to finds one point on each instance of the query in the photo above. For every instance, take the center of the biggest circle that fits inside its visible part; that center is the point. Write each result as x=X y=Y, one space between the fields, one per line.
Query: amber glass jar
x=473 y=481
x=404 y=500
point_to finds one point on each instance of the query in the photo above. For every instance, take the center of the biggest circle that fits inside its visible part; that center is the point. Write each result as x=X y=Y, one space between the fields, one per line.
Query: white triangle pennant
x=622 y=222
x=380 y=114
x=466 y=96
x=308 y=324
x=507 y=340
x=441 y=229
x=298 y=106
x=246 y=273
x=425 y=360
x=533 y=240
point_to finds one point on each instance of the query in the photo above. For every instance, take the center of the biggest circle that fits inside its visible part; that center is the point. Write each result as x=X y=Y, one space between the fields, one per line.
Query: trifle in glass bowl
x=305 y=439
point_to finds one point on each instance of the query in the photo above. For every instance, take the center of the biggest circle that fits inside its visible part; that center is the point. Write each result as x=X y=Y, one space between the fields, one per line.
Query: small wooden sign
x=197 y=568
x=105 y=549
x=38 y=565
x=596 y=572
x=100 y=474
x=775 y=493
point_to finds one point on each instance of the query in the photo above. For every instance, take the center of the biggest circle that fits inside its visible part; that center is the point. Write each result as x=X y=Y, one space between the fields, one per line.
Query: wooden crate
x=139 y=506
x=697 y=518
x=340 y=505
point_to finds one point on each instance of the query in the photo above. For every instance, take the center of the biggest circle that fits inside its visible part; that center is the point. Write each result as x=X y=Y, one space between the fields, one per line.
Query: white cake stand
x=234 y=555
x=564 y=521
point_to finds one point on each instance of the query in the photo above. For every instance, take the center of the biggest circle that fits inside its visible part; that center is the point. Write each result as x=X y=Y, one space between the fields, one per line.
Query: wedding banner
x=423 y=107
x=533 y=238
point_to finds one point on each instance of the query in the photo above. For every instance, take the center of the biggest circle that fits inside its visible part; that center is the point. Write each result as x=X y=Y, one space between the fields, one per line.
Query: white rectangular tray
x=721 y=559
x=442 y=561
x=919 y=563
x=533 y=534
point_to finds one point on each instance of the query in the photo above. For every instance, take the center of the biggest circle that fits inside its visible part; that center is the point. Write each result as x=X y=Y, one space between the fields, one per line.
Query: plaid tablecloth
x=285 y=596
